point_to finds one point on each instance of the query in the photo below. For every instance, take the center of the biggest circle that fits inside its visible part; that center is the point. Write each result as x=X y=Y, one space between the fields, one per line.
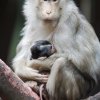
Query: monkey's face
x=42 y=48
x=48 y=9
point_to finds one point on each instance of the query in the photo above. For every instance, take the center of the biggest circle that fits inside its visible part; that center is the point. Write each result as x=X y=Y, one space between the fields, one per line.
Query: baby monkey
x=42 y=48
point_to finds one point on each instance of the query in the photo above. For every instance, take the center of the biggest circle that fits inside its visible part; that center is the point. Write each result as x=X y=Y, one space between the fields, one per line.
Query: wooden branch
x=12 y=87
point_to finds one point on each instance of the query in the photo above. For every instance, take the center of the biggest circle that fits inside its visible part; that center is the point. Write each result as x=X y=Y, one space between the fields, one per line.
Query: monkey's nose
x=48 y=12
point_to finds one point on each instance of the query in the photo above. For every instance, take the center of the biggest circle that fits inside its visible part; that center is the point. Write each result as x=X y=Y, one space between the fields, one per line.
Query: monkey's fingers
x=42 y=80
x=40 y=77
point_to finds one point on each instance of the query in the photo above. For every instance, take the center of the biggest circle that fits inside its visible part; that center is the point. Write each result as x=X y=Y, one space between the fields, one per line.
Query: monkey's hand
x=44 y=63
x=28 y=73
x=42 y=58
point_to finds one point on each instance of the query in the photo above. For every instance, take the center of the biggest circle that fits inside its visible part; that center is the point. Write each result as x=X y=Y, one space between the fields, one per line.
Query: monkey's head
x=48 y=9
x=42 y=48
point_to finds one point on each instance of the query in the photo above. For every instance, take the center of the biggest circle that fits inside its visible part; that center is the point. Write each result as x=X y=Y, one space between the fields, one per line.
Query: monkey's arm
x=21 y=65
x=46 y=63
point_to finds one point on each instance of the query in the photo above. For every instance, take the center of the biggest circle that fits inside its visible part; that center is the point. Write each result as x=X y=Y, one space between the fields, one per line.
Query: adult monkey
x=75 y=67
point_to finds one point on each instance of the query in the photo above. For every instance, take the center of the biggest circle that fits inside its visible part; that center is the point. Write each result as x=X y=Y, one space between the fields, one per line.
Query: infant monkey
x=42 y=48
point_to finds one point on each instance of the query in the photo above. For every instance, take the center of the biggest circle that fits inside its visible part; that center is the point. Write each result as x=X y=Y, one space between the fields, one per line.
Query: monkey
x=42 y=48
x=75 y=66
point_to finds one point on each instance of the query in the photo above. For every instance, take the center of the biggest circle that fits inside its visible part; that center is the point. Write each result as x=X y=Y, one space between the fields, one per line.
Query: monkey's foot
x=33 y=85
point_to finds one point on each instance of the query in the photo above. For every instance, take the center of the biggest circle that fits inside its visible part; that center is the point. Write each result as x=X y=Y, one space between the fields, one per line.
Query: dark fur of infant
x=42 y=49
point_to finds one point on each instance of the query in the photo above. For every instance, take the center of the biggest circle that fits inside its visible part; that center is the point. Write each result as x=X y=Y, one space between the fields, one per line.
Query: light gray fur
x=76 y=65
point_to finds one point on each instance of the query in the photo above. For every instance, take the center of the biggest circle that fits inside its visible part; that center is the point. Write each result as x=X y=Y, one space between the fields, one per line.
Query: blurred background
x=12 y=21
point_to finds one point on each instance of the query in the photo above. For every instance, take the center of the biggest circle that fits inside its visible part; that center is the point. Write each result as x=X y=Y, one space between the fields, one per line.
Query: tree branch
x=12 y=87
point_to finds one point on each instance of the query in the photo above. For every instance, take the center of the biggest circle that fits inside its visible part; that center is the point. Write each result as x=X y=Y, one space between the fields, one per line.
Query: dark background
x=12 y=21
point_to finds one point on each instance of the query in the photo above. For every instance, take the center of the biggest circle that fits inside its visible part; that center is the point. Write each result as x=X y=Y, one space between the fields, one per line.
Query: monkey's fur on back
x=75 y=67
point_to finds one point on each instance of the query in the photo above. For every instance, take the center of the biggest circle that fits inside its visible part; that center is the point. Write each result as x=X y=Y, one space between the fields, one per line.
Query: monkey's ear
x=54 y=0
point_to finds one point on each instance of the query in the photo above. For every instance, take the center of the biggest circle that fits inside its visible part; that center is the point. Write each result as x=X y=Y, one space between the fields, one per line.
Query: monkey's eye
x=54 y=0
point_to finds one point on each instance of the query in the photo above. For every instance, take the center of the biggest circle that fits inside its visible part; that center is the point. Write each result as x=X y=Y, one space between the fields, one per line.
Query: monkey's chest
x=63 y=43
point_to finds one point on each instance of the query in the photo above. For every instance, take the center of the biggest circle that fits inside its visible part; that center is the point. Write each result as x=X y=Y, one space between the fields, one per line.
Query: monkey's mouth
x=48 y=20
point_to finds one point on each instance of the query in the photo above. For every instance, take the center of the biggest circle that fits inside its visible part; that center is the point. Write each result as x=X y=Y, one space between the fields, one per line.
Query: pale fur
x=74 y=40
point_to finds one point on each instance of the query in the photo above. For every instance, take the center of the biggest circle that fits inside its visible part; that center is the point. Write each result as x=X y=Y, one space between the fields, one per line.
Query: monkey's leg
x=54 y=81
x=65 y=82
